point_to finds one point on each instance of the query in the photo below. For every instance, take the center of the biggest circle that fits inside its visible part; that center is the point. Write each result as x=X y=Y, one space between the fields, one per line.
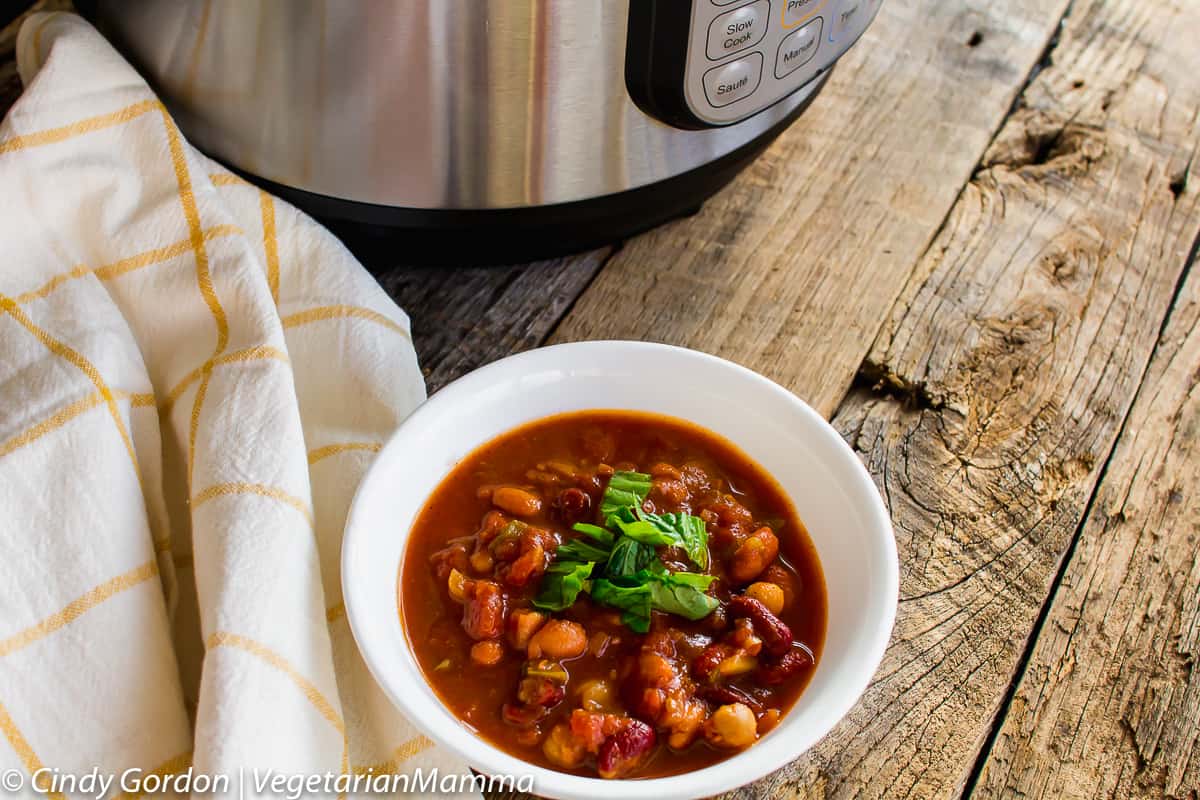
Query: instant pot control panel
x=708 y=63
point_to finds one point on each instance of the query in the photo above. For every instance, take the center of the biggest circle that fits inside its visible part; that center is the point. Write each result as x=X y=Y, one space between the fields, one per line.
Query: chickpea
x=597 y=695
x=754 y=555
x=517 y=501
x=732 y=726
x=487 y=653
x=562 y=748
x=558 y=639
x=769 y=594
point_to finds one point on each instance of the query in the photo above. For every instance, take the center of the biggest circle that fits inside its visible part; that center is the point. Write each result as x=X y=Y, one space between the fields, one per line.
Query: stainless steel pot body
x=436 y=104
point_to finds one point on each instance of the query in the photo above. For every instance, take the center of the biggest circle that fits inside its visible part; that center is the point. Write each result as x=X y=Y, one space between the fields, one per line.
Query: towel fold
x=193 y=378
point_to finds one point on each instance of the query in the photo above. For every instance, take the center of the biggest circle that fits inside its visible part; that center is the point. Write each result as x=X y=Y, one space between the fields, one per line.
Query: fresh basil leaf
x=624 y=490
x=685 y=531
x=561 y=584
x=628 y=556
x=694 y=579
x=647 y=533
x=634 y=602
x=686 y=601
x=580 y=550
x=601 y=535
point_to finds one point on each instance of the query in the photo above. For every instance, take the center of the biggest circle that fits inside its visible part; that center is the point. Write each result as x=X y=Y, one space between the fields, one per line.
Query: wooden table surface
x=973 y=254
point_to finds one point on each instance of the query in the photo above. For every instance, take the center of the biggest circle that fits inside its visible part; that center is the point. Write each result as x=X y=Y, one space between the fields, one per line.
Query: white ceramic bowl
x=832 y=492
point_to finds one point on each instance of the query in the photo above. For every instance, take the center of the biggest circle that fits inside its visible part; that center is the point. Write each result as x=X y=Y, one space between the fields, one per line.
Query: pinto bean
x=625 y=750
x=787 y=666
x=558 y=639
x=776 y=636
x=517 y=502
x=483 y=610
x=753 y=555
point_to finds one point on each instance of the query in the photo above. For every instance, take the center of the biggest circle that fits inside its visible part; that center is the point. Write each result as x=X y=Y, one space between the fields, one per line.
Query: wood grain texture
x=998 y=385
x=465 y=317
x=791 y=268
x=1109 y=706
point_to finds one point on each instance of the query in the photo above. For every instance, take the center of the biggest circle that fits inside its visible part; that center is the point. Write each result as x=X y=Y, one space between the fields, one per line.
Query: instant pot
x=486 y=129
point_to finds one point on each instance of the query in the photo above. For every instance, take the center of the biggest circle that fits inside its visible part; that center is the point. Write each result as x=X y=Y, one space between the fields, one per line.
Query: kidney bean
x=622 y=752
x=573 y=505
x=725 y=695
x=753 y=555
x=483 y=610
x=776 y=636
x=787 y=666
x=704 y=668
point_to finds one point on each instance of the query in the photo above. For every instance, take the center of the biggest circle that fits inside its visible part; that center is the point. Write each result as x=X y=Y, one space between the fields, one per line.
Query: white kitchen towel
x=193 y=378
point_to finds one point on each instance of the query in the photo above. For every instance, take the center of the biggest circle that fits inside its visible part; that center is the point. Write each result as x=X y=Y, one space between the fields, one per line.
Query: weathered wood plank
x=791 y=268
x=996 y=389
x=462 y=318
x=1110 y=704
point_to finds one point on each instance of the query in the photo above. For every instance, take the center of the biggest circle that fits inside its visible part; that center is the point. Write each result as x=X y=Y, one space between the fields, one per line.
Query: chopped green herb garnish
x=678 y=593
x=624 y=490
x=686 y=531
x=562 y=583
x=628 y=556
x=634 y=602
x=601 y=535
x=618 y=564
x=646 y=533
x=581 y=550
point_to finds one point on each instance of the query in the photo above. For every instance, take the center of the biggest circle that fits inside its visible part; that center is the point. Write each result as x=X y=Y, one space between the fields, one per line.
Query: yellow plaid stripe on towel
x=193 y=378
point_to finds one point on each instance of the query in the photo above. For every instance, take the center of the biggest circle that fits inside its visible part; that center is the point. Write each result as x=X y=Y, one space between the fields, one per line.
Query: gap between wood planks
x=1031 y=643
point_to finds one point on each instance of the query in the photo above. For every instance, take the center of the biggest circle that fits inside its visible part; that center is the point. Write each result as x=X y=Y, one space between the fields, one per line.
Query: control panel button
x=738 y=29
x=847 y=19
x=731 y=82
x=723 y=2
x=796 y=12
x=798 y=48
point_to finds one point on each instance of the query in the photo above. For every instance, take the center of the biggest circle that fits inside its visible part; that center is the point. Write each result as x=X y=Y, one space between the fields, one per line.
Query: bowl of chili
x=626 y=569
